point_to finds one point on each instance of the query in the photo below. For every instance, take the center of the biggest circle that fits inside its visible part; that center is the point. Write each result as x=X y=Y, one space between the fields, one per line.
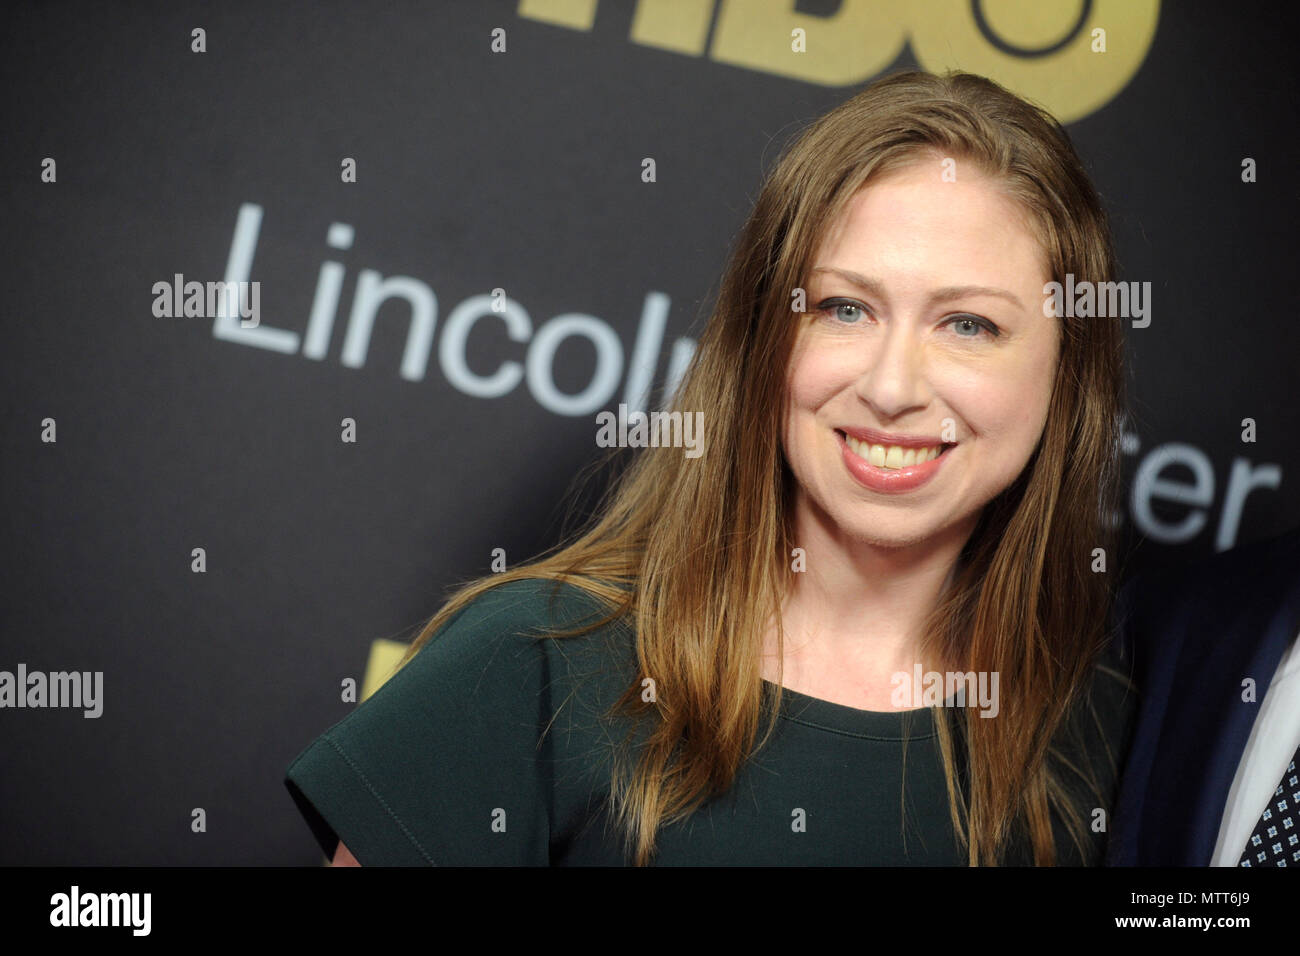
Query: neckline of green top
x=841 y=718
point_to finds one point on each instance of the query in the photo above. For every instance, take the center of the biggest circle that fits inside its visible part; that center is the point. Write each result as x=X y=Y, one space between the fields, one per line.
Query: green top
x=443 y=765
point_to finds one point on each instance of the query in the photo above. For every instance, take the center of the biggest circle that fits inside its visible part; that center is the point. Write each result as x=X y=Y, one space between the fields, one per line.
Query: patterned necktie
x=1276 y=840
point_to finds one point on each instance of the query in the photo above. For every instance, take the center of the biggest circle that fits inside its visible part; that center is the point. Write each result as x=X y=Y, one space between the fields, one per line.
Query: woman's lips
x=889 y=480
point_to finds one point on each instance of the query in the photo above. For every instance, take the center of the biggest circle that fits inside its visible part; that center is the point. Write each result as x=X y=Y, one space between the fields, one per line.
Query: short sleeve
x=442 y=765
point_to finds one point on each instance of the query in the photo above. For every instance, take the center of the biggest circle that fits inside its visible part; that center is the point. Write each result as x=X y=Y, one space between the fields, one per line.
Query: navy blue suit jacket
x=1192 y=635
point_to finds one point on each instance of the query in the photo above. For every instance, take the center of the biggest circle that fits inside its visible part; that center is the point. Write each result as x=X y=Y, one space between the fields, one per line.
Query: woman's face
x=924 y=327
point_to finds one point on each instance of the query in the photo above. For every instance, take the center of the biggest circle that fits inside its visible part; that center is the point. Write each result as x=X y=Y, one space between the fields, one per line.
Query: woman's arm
x=343 y=857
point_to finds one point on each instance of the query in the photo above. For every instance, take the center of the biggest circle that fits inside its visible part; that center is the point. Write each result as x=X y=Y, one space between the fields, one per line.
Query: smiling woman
x=946 y=339
x=906 y=479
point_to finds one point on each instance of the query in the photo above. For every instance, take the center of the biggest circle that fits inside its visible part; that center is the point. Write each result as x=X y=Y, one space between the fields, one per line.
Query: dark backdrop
x=479 y=170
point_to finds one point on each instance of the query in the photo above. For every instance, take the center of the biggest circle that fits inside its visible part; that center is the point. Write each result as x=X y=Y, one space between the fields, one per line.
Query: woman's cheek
x=818 y=376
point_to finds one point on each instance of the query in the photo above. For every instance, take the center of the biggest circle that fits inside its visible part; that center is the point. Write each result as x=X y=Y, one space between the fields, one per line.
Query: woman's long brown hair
x=693 y=553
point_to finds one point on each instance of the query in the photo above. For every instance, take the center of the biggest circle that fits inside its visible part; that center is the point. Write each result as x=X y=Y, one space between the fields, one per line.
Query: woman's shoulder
x=488 y=718
x=528 y=608
x=1112 y=689
x=1099 y=725
x=526 y=632
x=533 y=605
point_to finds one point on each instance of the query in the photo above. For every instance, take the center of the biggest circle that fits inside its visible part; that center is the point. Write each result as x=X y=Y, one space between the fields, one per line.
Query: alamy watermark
x=1125 y=300
x=210 y=300
x=951 y=689
x=76 y=908
x=74 y=689
x=638 y=429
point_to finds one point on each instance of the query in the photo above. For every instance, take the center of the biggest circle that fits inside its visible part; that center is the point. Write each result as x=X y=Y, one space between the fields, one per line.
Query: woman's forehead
x=914 y=224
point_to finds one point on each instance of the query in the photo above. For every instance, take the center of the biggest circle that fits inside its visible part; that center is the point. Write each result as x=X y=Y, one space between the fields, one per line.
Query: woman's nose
x=892 y=380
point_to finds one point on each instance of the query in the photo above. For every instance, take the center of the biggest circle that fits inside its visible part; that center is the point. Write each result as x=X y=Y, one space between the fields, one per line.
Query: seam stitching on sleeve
x=383 y=803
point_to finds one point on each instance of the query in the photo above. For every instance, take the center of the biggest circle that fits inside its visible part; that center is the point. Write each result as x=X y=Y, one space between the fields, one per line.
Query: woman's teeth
x=891 y=456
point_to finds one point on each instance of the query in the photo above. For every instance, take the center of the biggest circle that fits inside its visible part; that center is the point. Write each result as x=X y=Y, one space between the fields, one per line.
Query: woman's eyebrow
x=945 y=294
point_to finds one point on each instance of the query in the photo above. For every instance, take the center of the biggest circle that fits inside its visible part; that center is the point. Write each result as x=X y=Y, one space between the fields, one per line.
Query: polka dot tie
x=1276 y=840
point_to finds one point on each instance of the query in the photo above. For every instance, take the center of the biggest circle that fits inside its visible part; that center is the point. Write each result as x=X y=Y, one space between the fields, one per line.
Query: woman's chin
x=893 y=535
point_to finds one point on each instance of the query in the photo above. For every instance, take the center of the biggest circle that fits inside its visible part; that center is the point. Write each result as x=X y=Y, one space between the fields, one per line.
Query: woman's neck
x=854 y=616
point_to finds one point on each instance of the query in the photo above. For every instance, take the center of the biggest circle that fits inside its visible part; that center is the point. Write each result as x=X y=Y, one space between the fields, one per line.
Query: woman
x=909 y=468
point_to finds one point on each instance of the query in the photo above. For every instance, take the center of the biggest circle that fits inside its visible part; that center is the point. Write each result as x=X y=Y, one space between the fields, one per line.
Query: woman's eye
x=843 y=310
x=969 y=326
x=848 y=312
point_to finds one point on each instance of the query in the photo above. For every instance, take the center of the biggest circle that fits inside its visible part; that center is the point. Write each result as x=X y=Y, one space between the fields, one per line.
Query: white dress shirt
x=1273 y=742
